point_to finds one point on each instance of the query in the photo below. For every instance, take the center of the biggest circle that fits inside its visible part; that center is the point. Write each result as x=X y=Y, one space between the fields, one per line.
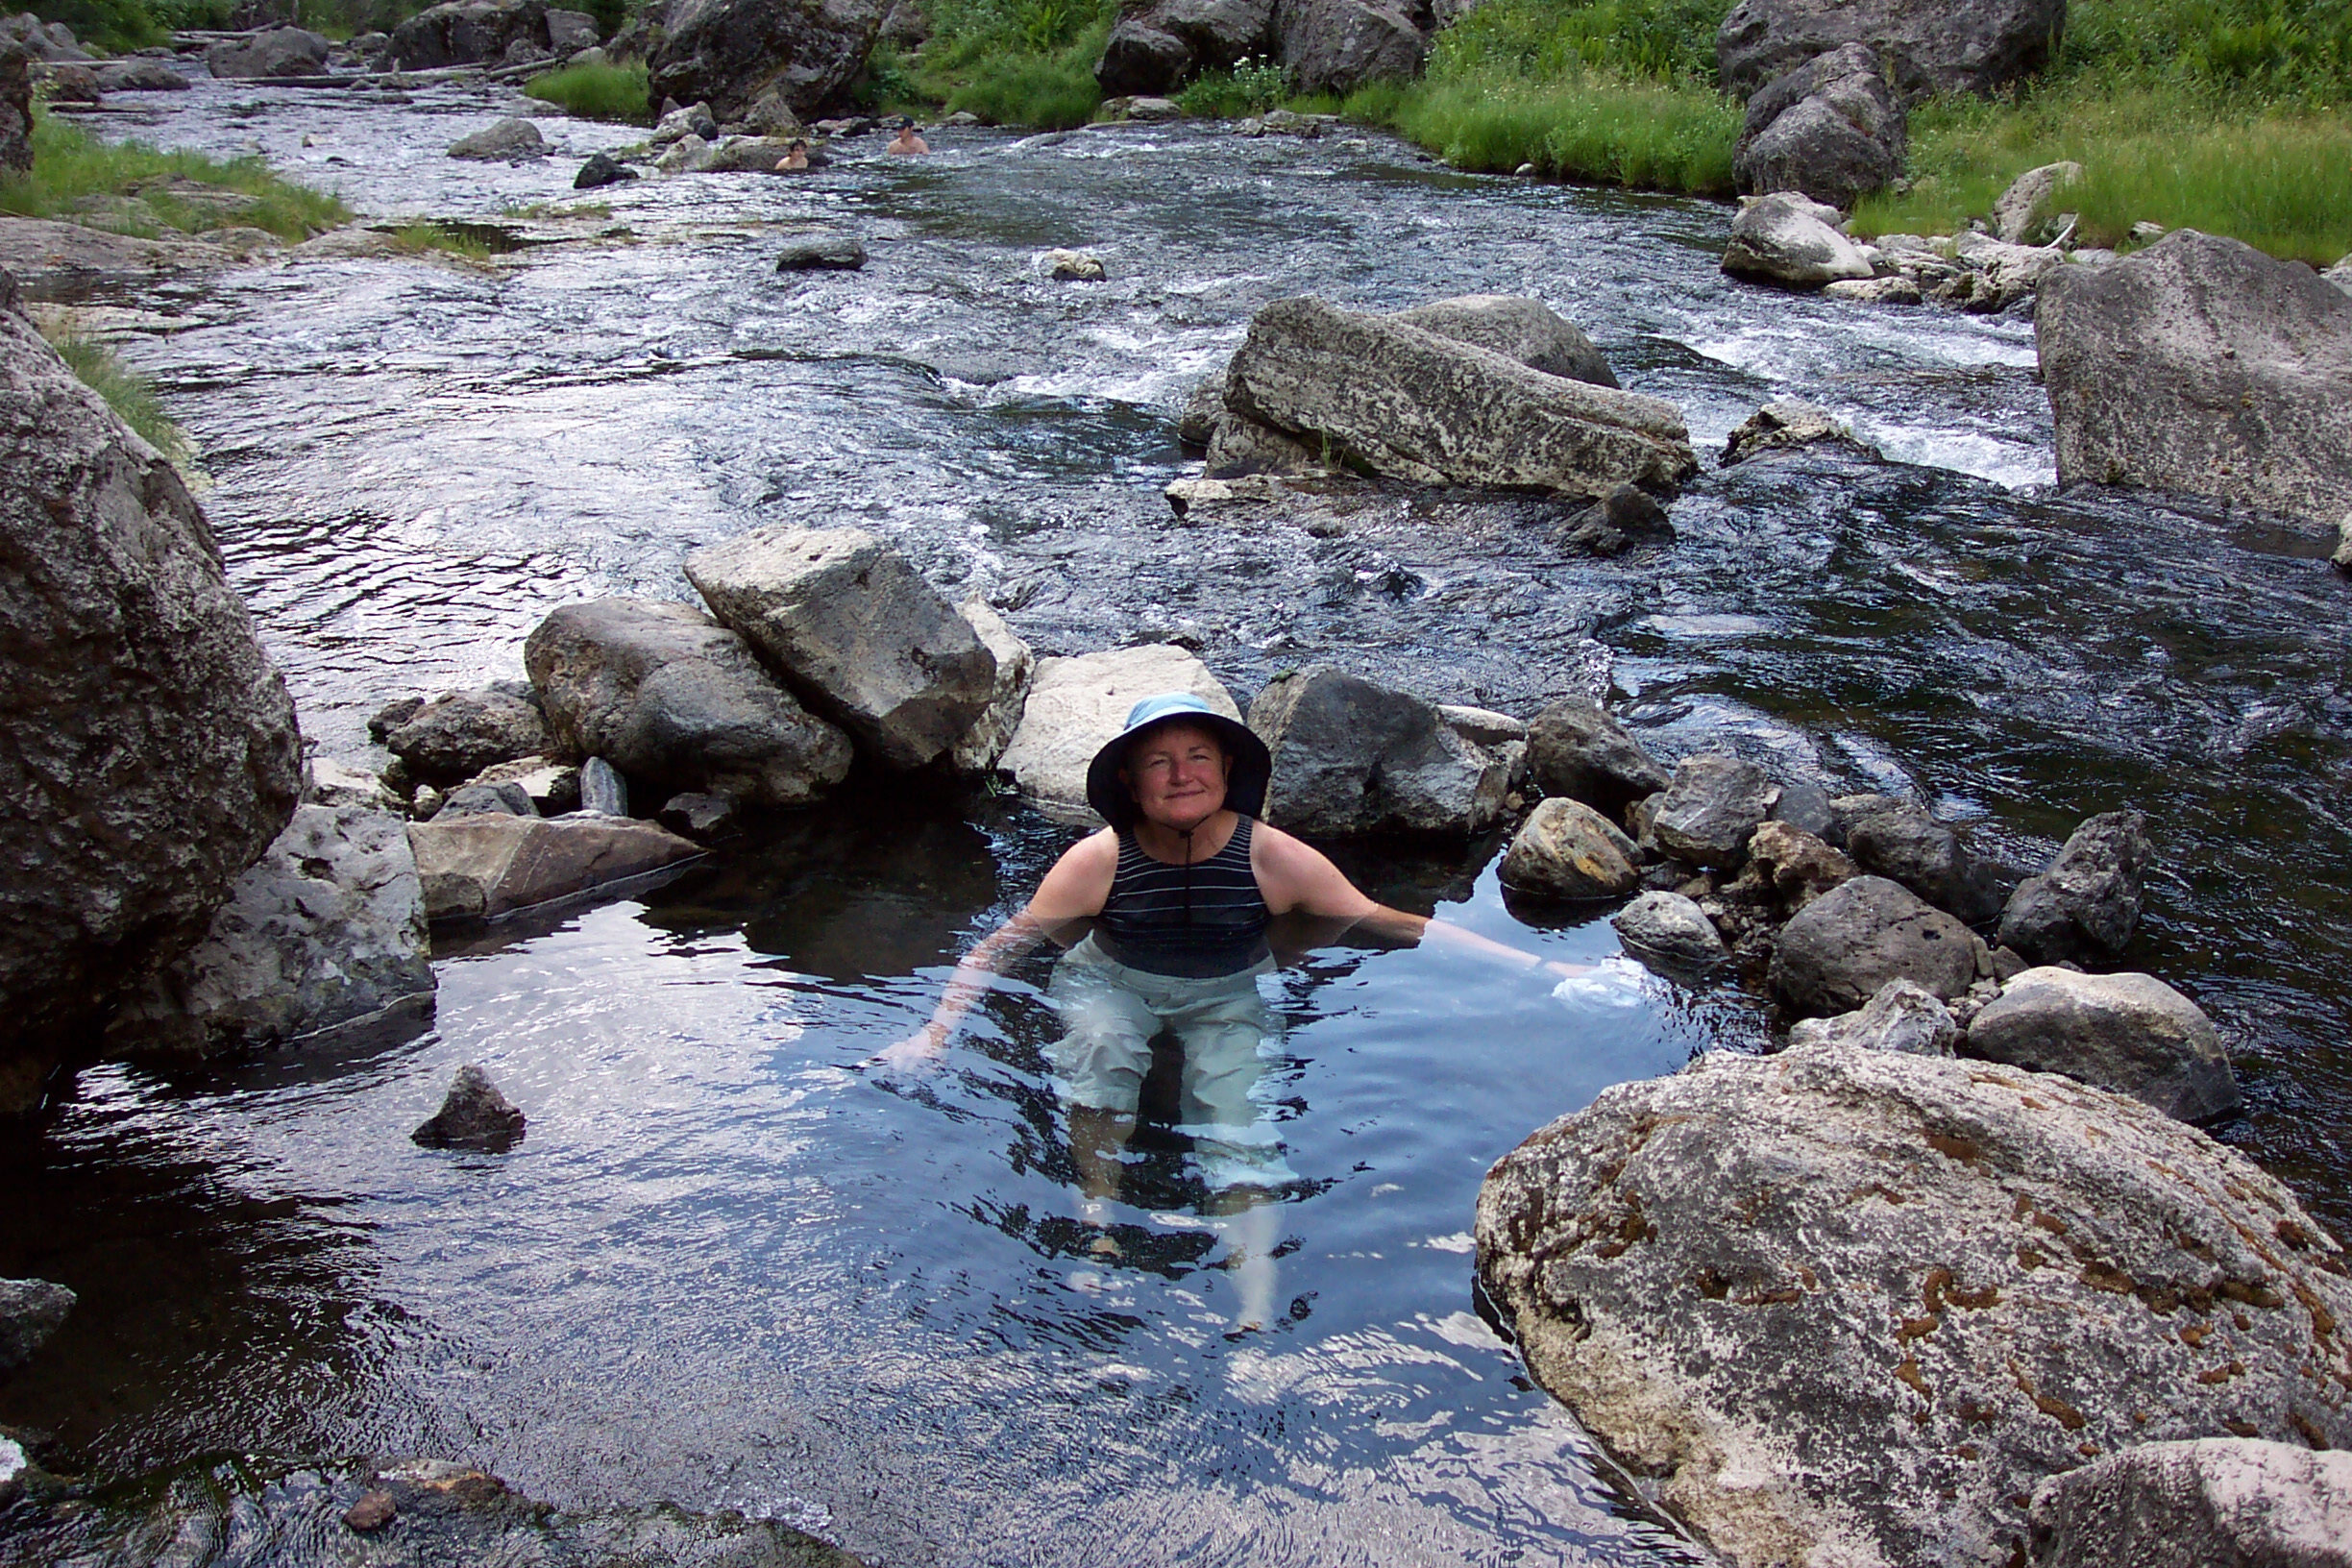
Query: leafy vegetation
x=126 y=391
x=1250 y=88
x=133 y=189
x=598 y=92
x=1647 y=135
x=1015 y=62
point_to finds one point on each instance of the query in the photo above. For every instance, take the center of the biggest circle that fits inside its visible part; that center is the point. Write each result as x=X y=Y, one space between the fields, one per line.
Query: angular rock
x=509 y=141
x=1075 y=705
x=2086 y=903
x=1354 y=758
x=2234 y=1501
x=1240 y=447
x=1615 y=523
x=2200 y=364
x=704 y=819
x=602 y=790
x=2129 y=1033
x=31 y=1310
x=1712 y=808
x=1831 y=129
x=1804 y=806
x=473 y=1115
x=1073 y=267
x=1847 y=1306
x=569 y=32
x=1966 y=47
x=15 y=108
x=2019 y=217
x=1481 y=726
x=1516 y=327
x=281 y=51
x=680 y=702
x=1901 y=1018
x=1336 y=46
x=1907 y=845
x=976 y=751
x=1201 y=408
x=458 y=734
x=148 y=750
x=1565 y=850
x=1836 y=953
x=509 y=798
x=550 y=784
x=863 y=638
x=822 y=252
x=1575 y=749
x=391 y=716
x=1994 y=276
x=483 y=867
x=1671 y=929
x=1796 y=866
x=1790 y=239
x=1786 y=425
x=1155 y=45
x=601 y=171
x=335 y=783
x=469 y=33
x=730 y=53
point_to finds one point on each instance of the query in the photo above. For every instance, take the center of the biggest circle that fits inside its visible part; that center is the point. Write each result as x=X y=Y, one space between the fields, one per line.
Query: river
x=727 y=1267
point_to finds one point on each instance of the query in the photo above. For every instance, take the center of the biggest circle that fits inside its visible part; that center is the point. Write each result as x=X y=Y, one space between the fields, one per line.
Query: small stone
x=602 y=170
x=510 y=800
x=1669 y=930
x=31 y=1310
x=1900 y=1017
x=822 y=252
x=371 y=1512
x=1566 y=849
x=602 y=789
x=1073 y=267
x=426 y=803
x=474 y=1116
x=701 y=818
x=1712 y=808
x=391 y=716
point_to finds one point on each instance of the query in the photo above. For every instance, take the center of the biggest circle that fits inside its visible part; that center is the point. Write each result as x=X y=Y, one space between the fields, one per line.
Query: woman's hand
x=920 y=1052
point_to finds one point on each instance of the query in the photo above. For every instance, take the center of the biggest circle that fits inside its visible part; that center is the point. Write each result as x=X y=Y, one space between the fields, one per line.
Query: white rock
x=1077 y=704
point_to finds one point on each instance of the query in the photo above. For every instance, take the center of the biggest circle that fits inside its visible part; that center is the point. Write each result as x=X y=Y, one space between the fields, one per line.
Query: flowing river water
x=727 y=1269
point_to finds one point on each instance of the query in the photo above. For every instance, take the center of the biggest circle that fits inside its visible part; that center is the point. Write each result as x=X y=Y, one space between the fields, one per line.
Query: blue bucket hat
x=1245 y=784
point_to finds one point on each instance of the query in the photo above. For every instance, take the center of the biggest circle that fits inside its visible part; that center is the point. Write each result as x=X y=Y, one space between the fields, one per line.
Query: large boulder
x=1516 y=327
x=1831 y=129
x=1575 y=749
x=325 y=931
x=977 y=751
x=1905 y=844
x=148 y=750
x=2086 y=903
x=1077 y=704
x=457 y=734
x=52 y=41
x=1712 y=808
x=677 y=700
x=280 y=51
x=1793 y=240
x=1836 y=953
x=732 y=54
x=1336 y=46
x=1967 y=46
x=31 y=1310
x=1565 y=850
x=482 y=865
x=2130 y=1032
x=2201 y=364
x=1351 y=758
x=1843 y=1307
x=15 y=108
x=2216 y=1502
x=469 y=33
x=1157 y=44
x=856 y=630
x=509 y=141
x=1392 y=399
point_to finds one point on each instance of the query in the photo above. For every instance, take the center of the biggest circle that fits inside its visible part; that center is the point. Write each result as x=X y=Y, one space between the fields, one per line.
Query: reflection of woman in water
x=1180 y=890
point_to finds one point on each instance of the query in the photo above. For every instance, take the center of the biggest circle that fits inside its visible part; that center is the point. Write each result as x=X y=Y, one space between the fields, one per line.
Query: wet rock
x=2233 y=1501
x=473 y=1115
x=1892 y=291
x=1836 y=953
x=1075 y=705
x=822 y=252
x=280 y=51
x=1150 y=110
x=1391 y=399
x=1072 y=267
x=68 y=262
x=1970 y=46
x=371 y=1512
x=1804 y=805
x=1336 y=46
x=483 y=867
x=509 y=799
x=2138 y=354
x=1787 y=424
x=600 y=171
x=602 y=789
x=864 y=639
x=334 y=783
x=1791 y=867
x=747 y=154
x=1831 y=130
x=391 y=716
x=680 y=702
x=139 y=74
x=1907 y=845
x=728 y=53
x=1517 y=328
x=2085 y=904
x=551 y=785
x=73 y=83
x=677 y=124
x=1996 y=276
x=1712 y=808
x=1790 y=239
x=325 y=932
x=15 y=108
x=1154 y=46
x=1670 y=930
x=1351 y=758
x=1575 y=749
x=1900 y=1017
x=1201 y=408
x=2021 y=216
x=31 y=1310
x=457 y=734
x=149 y=753
x=1615 y=523
x=704 y=819
x=977 y=750
x=469 y=33
x=1565 y=850
x=2130 y=1032
x=1768 y=1285
x=509 y=141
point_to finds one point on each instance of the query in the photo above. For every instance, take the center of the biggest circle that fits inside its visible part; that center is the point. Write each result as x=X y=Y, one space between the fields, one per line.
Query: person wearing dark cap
x=1180 y=890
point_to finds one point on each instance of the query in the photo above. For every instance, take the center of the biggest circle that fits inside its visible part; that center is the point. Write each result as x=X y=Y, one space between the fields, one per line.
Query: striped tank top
x=1198 y=923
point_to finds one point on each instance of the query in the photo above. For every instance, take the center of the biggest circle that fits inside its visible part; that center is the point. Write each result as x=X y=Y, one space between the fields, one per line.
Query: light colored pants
x=1112 y=1012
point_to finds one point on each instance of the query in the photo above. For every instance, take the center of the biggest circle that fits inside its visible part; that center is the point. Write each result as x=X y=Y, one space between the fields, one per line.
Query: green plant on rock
x=127 y=392
x=1015 y=62
x=133 y=189
x=1251 y=87
x=620 y=94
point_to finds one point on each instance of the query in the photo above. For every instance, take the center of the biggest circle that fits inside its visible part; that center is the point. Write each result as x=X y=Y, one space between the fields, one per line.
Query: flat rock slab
x=1843 y=1307
x=483 y=867
x=61 y=262
x=1076 y=705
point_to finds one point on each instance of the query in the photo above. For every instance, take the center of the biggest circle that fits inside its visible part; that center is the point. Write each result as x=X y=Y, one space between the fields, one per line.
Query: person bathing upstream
x=907 y=140
x=1164 y=916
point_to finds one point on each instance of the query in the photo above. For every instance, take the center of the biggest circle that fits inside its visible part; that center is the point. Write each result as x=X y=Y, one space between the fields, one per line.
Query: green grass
x=1650 y=135
x=427 y=237
x=1013 y=61
x=1250 y=88
x=598 y=92
x=126 y=391
x=174 y=191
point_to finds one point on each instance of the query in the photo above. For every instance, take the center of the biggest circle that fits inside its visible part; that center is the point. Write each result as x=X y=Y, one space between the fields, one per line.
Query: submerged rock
x=1354 y=757
x=481 y=867
x=280 y=51
x=1831 y=129
x=1949 y=46
x=1793 y=240
x=1841 y=1306
x=31 y=1310
x=1565 y=850
x=1835 y=953
x=2086 y=903
x=1901 y=1018
x=509 y=140
x=2130 y=1032
x=822 y=252
x=1077 y=704
x=2220 y=1501
x=1615 y=523
x=1575 y=749
x=473 y=1115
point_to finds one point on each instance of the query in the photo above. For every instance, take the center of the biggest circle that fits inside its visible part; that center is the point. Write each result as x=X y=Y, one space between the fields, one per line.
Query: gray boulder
x=1670 y=930
x=1901 y=1018
x=2216 y=1502
x=148 y=750
x=1907 y=845
x=822 y=252
x=457 y=734
x=280 y=51
x=509 y=797
x=1155 y=45
x=1336 y=46
x=1831 y=129
x=1835 y=953
x=31 y=1310
x=1240 y=446
x=1787 y=424
x=2138 y=354
x=1391 y=399
x=469 y=33
x=52 y=41
x=569 y=32
x=2021 y=216
x=15 y=108
x=1841 y=1306
x=1792 y=240
x=473 y=1115
x=733 y=53
x=509 y=141
x=1353 y=758
x=1575 y=749
x=2085 y=904
x=1789 y=867
x=1077 y=704
x=856 y=630
x=486 y=865
x=602 y=170
x=980 y=746
x=139 y=74
x=1201 y=408
x=680 y=702
x=1516 y=327
x=1967 y=46
x=2130 y=1032
x=1565 y=850
x=1712 y=808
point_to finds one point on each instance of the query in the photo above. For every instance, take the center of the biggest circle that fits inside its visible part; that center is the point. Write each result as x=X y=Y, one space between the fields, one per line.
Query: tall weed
x=618 y=93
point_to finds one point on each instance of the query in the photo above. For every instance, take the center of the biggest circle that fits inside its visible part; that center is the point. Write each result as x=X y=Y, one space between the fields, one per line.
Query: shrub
x=1250 y=88
x=622 y=93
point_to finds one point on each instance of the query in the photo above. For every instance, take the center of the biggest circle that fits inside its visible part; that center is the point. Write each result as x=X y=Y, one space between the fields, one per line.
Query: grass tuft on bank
x=1647 y=136
x=126 y=391
x=1009 y=62
x=133 y=189
x=618 y=93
